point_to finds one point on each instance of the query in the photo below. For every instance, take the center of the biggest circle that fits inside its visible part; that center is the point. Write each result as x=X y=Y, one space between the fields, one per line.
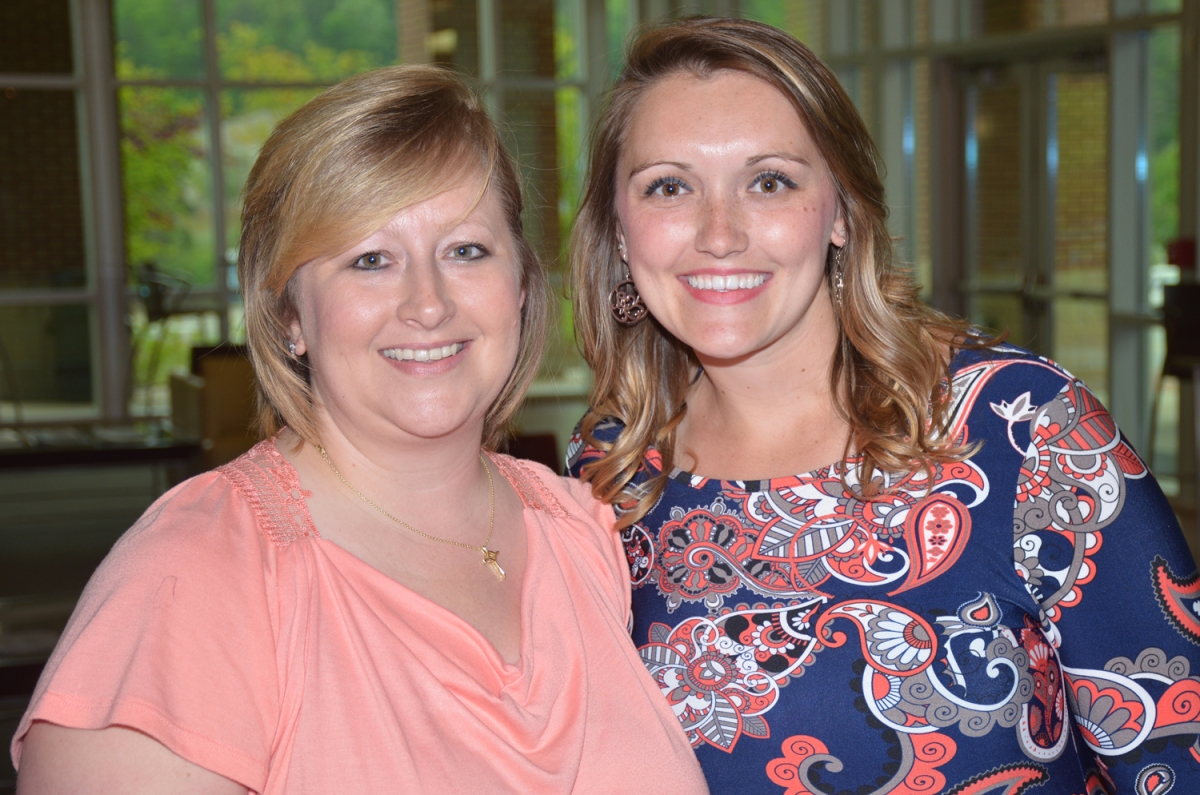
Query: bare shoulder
x=56 y=759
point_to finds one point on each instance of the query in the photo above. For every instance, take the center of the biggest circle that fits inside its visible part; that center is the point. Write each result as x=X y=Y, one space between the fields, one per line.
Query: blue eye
x=666 y=186
x=371 y=261
x=771 y=182
x=469 y=252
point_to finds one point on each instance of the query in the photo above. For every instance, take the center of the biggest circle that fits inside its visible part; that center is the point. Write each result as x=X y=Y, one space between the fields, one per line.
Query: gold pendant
x=489 y=557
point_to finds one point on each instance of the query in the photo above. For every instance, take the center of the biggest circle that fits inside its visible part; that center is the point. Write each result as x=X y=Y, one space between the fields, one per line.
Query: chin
x=431 y=427
x=439 y=420
x=723 y=348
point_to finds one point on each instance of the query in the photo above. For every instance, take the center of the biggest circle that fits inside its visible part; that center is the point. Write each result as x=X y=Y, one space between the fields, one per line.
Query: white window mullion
x=1128 y=225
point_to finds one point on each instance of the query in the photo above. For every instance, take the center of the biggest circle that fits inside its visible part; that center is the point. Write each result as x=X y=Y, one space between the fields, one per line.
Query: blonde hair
x=890 y=361
x=333 y=173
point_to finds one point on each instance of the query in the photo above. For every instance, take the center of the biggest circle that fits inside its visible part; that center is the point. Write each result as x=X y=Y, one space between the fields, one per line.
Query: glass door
x=1037 y=208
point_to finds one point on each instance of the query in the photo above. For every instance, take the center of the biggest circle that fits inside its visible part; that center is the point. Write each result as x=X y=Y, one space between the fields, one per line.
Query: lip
x=724 y=298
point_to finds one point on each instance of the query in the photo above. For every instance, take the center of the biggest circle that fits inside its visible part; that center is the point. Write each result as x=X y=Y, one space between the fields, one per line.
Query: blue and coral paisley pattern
x=1026 y=620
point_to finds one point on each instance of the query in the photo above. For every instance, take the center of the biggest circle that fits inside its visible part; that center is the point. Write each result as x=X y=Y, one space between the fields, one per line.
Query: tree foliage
x=165 y=142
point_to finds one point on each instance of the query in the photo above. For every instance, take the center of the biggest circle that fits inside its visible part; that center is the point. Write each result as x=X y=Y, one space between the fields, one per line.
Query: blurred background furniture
x=214 y=404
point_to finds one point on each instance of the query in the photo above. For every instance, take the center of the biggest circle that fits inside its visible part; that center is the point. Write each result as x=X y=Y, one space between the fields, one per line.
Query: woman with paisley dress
x=976 y=586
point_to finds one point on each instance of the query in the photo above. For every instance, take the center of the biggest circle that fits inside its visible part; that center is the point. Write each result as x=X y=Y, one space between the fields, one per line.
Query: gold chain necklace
x=489 y=555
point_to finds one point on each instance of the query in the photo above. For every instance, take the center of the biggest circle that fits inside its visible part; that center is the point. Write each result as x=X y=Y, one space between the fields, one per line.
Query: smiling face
x=726 y=210
x=414 y=330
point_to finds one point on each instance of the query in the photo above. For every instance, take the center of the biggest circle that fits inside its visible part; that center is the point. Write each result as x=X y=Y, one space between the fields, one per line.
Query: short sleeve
x=174 y=637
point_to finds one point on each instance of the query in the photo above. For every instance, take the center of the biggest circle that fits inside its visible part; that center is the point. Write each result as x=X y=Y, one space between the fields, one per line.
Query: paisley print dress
x=1027 y=621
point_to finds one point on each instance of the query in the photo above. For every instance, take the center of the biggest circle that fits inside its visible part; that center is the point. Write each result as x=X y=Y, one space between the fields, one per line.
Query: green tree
x=158 y=38
x=165 y=184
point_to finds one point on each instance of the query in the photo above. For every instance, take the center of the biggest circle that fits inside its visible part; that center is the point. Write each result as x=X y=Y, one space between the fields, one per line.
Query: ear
x=839 y=236
x=621 y=240
x=296 y=335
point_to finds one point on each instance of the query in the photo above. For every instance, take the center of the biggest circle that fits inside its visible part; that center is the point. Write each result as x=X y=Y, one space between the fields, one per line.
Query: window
x=201 y=84
x=55 y=258
x=119 y=211
x=1043 y=135
x=87 y=292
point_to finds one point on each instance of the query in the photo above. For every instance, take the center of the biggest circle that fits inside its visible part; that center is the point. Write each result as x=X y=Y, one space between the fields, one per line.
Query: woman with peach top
x=369 y=601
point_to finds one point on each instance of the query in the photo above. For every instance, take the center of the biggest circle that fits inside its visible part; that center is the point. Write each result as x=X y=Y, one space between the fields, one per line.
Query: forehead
x=728 y=107
x=469 y=199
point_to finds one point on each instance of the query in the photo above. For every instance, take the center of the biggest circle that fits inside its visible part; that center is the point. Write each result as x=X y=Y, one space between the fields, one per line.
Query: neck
x=393 y=468
x=767 y=414
x=771 y=383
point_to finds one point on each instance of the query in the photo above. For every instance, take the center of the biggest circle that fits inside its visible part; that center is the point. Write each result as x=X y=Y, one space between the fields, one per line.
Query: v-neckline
x=509 y=670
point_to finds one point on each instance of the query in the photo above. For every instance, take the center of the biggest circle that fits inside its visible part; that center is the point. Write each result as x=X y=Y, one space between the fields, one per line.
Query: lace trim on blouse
x=531 y=488
x=272 y=487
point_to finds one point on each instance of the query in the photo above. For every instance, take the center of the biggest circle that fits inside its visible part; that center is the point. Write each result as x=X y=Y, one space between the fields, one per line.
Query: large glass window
x=203 y=82
x=46 y=300
x=201 y=85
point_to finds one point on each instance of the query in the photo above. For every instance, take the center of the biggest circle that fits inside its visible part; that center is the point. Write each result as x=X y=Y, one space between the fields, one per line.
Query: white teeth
x=723 y=284
x=423 y=354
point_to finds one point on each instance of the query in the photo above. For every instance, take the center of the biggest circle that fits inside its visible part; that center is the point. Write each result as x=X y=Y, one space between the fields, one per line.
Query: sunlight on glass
x=1165 y=6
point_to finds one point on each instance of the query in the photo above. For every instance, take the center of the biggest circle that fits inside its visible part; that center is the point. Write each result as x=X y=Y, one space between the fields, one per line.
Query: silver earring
x=625 y=301
x=839 y=269
x=291 y=346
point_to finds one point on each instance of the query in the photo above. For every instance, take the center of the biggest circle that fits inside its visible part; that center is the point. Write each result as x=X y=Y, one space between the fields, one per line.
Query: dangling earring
x=625 y=301
x=291 y=346
x=839 y=269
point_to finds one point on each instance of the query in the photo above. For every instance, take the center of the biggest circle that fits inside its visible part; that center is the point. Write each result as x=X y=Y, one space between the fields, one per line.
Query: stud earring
x=291 y=346
x=625 y=301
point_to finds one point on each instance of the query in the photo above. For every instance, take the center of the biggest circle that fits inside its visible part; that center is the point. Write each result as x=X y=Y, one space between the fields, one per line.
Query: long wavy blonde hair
x=891 y=362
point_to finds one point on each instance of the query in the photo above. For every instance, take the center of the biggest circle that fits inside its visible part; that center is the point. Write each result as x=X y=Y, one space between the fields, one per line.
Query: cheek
x=657 y=239
x=801 y=231
x=350 y=318
x=497 y=302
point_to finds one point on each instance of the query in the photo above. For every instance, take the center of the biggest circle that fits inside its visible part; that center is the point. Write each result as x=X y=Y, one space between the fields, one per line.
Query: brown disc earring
x=625 y=301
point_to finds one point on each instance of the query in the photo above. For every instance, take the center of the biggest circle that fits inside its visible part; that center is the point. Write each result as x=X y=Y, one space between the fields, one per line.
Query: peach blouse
x=224 y=627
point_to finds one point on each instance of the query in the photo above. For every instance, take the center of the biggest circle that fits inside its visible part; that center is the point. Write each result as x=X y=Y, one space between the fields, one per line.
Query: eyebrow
x=640 y=167
x=750 y=161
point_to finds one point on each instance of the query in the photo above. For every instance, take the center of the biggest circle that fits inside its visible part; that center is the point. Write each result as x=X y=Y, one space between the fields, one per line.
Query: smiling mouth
x=423 y=354
x=725 y=284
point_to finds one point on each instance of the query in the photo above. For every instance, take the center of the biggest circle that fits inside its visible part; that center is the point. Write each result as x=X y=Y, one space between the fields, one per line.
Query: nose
x=721 y=230
x=426 y=298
